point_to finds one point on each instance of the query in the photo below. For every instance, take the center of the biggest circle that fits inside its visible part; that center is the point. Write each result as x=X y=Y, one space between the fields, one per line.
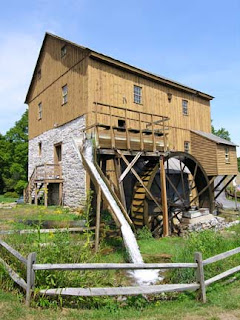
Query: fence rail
x=200 y=284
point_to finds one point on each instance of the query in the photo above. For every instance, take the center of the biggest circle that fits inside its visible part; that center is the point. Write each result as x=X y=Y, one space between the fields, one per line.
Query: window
x=39 y=74
x=40 y=111
x=63 y=51
x=121 y=123
x=137 y=93
x=185 y=107
x=227 y=157
x=186 y=146
x=58 y=153
x=64 y=94
x=40 y=149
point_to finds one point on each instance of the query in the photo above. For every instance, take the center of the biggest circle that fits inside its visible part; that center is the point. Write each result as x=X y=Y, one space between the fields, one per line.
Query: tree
x=222 y=133
x=14 y=156
x=238 y=160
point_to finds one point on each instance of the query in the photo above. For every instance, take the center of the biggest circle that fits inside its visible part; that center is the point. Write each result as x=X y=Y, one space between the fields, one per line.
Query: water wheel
x=187 y=187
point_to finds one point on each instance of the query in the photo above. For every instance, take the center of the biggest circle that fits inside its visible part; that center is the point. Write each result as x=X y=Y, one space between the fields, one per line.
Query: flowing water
x=141 y=276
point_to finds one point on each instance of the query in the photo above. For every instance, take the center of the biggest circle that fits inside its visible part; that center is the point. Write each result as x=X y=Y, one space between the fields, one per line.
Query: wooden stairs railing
x=41 y=174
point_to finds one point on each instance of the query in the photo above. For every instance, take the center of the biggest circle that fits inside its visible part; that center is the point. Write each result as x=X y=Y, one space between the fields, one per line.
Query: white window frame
x=227 y=156
x=185 y=107
x=137 y=94
x=64 y=94
x=40 y=111
x=186 y=146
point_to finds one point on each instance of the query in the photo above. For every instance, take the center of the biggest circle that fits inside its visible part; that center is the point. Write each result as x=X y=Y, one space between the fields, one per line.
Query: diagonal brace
x=129 y=167
x=139 y=180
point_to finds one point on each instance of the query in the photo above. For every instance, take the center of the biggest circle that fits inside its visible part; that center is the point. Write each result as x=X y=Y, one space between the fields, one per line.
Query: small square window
x=137 y=94
x=63 y=51
x=186 y=146
x=227 y=157
x=64 y=94
x=39 y=74
x=185 y=107
x=40 y=149
x=40 y=111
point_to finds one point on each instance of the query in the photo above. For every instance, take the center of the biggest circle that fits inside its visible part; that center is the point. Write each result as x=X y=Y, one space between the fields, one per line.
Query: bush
x=11 y=195
x=209 y=243
x=144 y=234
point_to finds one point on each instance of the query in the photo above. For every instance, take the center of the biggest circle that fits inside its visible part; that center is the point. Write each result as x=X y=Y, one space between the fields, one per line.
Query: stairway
x=139 y=197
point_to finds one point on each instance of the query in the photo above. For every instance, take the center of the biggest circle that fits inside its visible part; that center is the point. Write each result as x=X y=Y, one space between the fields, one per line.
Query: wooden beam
x=175 y=189
x=222 y=275
x=14 y=252
x=221 y=256
x=98 y=218
x=126 y=171
x=204 y=189
x=140 y=180
x=113 y=266
x=45 y=194
x=117 y=166
x=200 y=277
x=119 y=291
x=30 y=277
x=224 y=187
x=14 y=276
x=164 y=197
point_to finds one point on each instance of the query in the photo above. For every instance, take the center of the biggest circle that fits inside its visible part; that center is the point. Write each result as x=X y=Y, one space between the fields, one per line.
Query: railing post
x=200 y=277
x=30 y=277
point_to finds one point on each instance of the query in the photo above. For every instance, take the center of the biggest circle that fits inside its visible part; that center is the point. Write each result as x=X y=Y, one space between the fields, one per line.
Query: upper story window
x=185 y=107
x=39 y=74
x=40 y=111
x=137 y=94
x=64 y=94
x=40 y=149
x=227 y=157
x=186 y=146
x=63 y=51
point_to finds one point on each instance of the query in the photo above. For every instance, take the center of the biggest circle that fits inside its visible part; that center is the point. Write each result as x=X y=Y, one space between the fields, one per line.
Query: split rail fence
x=200 y=285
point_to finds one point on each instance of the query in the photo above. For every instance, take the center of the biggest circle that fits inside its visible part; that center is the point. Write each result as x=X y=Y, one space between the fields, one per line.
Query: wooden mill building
x=134 y=118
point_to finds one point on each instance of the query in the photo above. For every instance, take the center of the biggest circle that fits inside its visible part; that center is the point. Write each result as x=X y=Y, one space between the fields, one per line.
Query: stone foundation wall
x=73 y=173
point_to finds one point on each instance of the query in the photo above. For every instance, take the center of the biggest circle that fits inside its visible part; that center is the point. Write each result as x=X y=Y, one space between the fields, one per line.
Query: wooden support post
x=45 y=194
x=127 y=132
x=164 y=197
x=117 y=165
x=60 y=194
x=153 y=135
x=35 y=194
x=200 y=277
x=141 y=134
x=98 y=218
x=30 y=277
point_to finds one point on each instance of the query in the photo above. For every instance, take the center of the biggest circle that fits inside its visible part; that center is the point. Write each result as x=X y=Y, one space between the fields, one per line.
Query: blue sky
x=193 y=42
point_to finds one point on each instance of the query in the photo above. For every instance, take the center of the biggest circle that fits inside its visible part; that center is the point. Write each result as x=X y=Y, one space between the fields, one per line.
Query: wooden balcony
x=48 y=172
x=125 y=129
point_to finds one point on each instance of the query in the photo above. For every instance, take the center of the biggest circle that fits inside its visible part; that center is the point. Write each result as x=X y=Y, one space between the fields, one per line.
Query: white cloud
x=18 y=56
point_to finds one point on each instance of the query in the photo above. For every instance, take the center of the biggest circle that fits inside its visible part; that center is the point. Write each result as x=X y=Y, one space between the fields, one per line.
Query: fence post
x=30 y=276
x=200 y=276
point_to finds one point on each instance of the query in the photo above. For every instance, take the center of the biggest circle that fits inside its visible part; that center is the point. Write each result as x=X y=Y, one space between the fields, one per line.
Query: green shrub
x=144 y=234
x=209 y=243
x=11 y=195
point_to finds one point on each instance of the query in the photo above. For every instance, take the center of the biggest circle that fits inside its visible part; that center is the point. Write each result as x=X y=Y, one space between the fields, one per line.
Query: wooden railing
x=127 y=129
x=41 y=173
x=48 y=171
x=198 y=265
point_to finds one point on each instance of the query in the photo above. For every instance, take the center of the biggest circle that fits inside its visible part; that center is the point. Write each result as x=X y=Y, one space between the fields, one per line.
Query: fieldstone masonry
x=73 y=173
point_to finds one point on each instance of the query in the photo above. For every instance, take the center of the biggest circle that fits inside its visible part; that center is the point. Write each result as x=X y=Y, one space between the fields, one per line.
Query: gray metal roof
x=214 y=138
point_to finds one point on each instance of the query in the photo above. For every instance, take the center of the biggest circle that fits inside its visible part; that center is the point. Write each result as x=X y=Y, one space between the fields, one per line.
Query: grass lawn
x=223 y=304
x=6 y=200
x=9 y=218
x=223 y=297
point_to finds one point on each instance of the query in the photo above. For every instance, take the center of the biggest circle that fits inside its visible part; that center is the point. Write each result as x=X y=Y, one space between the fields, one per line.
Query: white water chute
x=141 y=276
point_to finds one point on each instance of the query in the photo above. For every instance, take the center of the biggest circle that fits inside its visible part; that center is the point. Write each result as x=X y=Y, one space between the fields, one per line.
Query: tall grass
x=209 y=243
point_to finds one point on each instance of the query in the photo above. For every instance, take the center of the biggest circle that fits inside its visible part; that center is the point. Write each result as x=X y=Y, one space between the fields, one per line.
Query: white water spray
x=142 y=277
